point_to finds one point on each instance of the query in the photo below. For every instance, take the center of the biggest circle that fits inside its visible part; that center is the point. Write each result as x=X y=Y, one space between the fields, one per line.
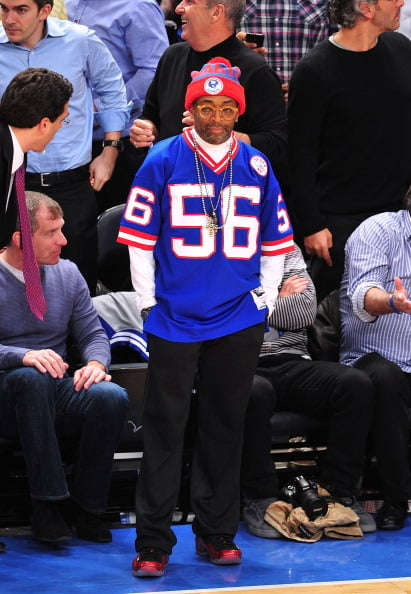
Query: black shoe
x=150 y=562
x=91 y=527
x=47 y=522
x=392 y=515
x=2 y=547
x=219 y=548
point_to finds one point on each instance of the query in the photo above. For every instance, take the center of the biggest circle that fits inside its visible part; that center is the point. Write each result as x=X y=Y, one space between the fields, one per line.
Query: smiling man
x=207 y=230
x=209 y=30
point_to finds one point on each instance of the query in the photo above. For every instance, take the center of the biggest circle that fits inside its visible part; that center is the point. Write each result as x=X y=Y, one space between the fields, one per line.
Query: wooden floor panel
x=383 y=587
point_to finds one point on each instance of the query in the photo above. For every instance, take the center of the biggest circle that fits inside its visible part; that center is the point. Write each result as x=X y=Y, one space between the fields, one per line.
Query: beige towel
x=293 y=522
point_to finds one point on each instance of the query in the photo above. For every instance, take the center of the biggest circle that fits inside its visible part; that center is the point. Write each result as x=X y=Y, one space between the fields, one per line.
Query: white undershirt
x=216 y=151
x=18 y=158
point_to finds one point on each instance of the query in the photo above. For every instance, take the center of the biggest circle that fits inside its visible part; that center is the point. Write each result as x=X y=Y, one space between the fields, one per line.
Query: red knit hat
x=217 y=77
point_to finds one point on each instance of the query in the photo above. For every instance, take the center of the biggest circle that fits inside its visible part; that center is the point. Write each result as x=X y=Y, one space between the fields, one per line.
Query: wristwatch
x=118 y=144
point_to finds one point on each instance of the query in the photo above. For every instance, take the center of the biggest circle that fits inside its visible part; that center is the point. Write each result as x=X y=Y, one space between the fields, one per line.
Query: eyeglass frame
x=201 y=107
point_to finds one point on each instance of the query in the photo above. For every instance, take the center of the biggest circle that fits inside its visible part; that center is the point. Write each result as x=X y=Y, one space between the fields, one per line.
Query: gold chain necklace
x=211 y=218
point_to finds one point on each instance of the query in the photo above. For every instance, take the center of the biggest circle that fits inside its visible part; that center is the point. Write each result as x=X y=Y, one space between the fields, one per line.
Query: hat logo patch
x=213 y=86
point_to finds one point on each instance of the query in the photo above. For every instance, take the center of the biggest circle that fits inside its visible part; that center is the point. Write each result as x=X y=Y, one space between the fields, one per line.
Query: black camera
x=304 y=493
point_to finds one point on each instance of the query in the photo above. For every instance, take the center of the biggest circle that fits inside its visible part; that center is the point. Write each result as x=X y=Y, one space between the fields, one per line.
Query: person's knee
x=380 y=370
x=391 y=386
x=356 y=389
x=262 y=396
x=108 y=399
x=27 y=383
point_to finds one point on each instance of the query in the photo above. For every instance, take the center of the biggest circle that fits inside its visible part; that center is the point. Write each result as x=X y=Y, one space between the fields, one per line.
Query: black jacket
x=8 y=218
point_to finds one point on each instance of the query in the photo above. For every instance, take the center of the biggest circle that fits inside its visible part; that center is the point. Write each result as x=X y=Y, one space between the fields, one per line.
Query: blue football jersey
x=207 y=282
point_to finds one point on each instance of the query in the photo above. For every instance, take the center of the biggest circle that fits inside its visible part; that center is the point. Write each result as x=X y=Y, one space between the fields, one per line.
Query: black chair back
x=113 y=265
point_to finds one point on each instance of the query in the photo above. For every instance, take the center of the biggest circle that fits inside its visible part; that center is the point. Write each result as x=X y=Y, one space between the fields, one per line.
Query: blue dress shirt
x=377 y=251
x=78 y=54
x=135 y=34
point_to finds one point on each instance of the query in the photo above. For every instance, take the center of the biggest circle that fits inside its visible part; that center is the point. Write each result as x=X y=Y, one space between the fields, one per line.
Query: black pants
x=115 y=190
x=327 y=278
x=78 y=202
x=340 y=395
x=390 y=426
x=224 y=368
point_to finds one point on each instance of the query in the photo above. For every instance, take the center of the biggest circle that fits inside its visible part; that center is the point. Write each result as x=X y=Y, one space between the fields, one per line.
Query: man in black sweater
x=208 y=28
x=349 y=117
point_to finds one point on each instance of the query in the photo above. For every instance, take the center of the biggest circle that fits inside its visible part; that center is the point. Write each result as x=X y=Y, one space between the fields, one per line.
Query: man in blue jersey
x=375 y=338
x=207 y=230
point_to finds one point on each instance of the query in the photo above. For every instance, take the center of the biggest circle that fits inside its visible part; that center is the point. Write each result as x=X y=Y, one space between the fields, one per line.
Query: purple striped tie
x=31 y=272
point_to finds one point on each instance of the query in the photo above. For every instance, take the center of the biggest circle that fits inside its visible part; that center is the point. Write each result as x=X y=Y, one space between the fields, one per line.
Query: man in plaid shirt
x=291 y=28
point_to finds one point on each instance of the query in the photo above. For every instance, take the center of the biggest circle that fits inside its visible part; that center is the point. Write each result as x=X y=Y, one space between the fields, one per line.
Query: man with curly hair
x=349 y=117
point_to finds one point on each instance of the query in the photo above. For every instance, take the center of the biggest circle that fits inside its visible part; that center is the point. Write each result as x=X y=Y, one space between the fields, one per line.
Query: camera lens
x=313 y=504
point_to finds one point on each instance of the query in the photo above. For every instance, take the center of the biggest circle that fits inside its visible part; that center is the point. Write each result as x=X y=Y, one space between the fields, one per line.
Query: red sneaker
x=150 y=562
x=220 y=548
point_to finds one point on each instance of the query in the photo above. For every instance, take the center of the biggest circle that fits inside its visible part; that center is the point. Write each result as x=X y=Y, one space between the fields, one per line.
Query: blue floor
x=86 y=568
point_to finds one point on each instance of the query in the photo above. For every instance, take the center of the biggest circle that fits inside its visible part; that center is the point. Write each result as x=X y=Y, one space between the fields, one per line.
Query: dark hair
x=34 y=94
x=234 y=10
x=407 y=200
x=346 y=12
x=41 y=3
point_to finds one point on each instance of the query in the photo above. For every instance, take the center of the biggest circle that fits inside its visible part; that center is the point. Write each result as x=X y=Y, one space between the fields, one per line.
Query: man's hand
x=187 y=120
x=102 y=167
x=92 y=373
x=319 y=244
x=400 y=296
x=46 y=361
x=143 y=133
x=293 y=285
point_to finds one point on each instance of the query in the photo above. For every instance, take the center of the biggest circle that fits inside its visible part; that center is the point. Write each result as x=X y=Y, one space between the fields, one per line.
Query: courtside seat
x=113 y=264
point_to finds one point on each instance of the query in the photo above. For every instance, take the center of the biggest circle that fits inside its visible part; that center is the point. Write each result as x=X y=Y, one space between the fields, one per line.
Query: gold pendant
x=212 y=224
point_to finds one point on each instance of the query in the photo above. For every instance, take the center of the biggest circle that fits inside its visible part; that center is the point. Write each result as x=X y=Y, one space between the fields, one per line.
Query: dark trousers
x=115 y=190
x=224 y=370
x=340 y=395
x=42 y=410
x=390 y=427
x=78 y=202
x=327 y=278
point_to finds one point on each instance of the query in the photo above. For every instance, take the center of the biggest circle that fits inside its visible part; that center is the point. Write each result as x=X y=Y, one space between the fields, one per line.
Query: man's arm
x=306 y=110
x=378 y=302
x=146 y=40
x=112 y=108
x=374 y=270
x=85 y=327
x=296 y=305
x=142 y=267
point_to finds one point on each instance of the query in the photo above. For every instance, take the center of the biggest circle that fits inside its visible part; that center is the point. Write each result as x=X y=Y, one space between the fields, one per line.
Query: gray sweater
x=69 y=310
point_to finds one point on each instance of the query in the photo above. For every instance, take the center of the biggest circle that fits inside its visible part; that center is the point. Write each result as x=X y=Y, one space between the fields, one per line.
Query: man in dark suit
x=32 y=109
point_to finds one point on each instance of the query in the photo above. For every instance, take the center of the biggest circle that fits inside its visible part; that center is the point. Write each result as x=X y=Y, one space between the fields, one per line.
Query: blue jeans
x=41 y=410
